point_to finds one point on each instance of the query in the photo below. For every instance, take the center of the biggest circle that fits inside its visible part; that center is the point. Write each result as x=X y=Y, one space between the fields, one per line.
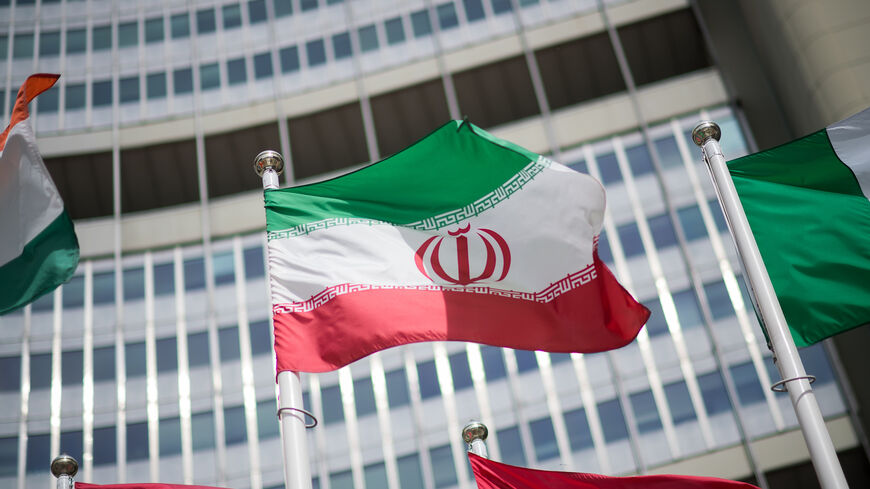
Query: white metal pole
x=291 y=413
x=474 y=434
x=822 y=453
x=64 y=468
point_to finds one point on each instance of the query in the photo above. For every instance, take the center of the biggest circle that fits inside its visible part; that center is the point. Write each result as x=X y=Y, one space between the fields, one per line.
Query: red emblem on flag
x=487 y=242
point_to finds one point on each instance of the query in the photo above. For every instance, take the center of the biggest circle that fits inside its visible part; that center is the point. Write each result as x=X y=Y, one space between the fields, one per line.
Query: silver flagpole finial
x=268 y=165
x=704 y=131
x=64 y=468
x=474 y=434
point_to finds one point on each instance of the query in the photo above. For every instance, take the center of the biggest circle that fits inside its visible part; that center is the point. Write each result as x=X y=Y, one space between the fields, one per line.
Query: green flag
x=807 y=204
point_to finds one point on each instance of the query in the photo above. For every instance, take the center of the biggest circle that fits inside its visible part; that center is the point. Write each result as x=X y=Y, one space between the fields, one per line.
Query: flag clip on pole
x=297 y=472
x=64 y=468
x=822 y=453
x=474 y=434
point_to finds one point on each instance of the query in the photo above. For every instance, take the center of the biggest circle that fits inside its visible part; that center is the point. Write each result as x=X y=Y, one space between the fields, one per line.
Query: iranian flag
x=38 y=245
x=461 y=236
x=807 y=204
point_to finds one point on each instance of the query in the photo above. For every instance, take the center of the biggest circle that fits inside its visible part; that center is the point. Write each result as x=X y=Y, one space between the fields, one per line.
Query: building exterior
x=154 y=363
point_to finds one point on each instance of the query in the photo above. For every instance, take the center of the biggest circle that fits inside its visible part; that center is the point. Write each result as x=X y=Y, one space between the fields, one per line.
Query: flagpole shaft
x=818 y=440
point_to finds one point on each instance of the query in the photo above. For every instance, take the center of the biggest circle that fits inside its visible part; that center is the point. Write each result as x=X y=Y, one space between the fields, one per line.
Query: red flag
x=84 y=485
x=494 y=475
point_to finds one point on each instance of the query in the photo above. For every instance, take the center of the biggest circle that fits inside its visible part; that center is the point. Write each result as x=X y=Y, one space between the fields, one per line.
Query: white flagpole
x=291 y=413
x=64 y=468
x=794 y=377
x=474 y=434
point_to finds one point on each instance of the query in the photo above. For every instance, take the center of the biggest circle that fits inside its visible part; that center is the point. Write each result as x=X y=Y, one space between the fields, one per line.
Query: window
x=169 y=432
x=153 y=30
x=473 y=10
x=71 y=443
x=460 y=370
x=49 y=101
x=428 y=376
x=662 y=230
x=283 y=8
x=718 y=216
x=101 y=38
x=559 y=358
x=267 y=423
x=669 y=152
x=4 y=48
x=511 y=446
x=501 y=6
x=234 y=425
x=687 y=308
x=75 y=96
x=544 y=438
x=101 y=96
x=128 y=34
x=375 y=475
x=420 y=23
x=749 y=389
x=333 y=412
x=49 y=44
x=194 y=273
x=209 y=76
x=261 y=339
x=183 y=81
x=612 y=420
x=22 y=47
x=316 y=52
x=397 y=388
x=656 y=324
x=137 y=441
x=197 y=349
x=341 y=480
x=232 y=15
x=306 y=5
x=720 y=301
x=254 y=266
x=289 y=59
x=40 y=370
x=180 y=25
x=493 y=362
x=395 y=30
x=205 y=21
x=134 y=359
x=364 y=396
x=223 y=262
x=9 y=456
x=608 y=167
x=202 y=429
x=368 y=38
x=129 y=89
x=10 y=381
x=74 y=292
x=229 y=343
x=341 y=45
x=410 y=474
x=104 y=287
x=816 y=363
x=577 y=426
x=256 y=11
x=629 y=236
x=76 y=41
x=526 y=360
x=692 y=222
x=164 y=278
x=262 y=65
x=447 y=16
x=236 y=72
x=155 y=87
x=104 y=445
x=639 y=160
x=104 y=363
x=38 y=452
x=680 y=402
x=714 y=393
x=604 y=253
x=579 y=166
x=443 y=468
x=167 y=354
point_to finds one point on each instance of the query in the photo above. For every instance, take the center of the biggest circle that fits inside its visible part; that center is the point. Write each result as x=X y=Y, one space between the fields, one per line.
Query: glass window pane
x=493 y=362
x=22 y=47
x=612 y=420
x=232 y=15
x=234 y=425
x=687 y=308
x=74 y=292
x=316 y=52
x=714 y=393
x=395 y=30
x=341 y=45
x=202 y=429
x=267 y=421
x=154 y=30
x=183 y=81
x=262 y=65
x=368 y=38
x=128 y=34
x=428 y=376
x=164 y=279
x=680 y=402
x=720 y=301
x=526 y=360
x=609 y=168
x=410 y=473
x=209 y=76
x=511 y=446
x=134 y=359
x=49 y=101
x=180 y=25
x=460 y=371
x=134 y=283
x=645 y=413
x=254 y=265
x=76 y=41
x=229 y=343
x=10 y=381
x=718 y=216
x=104 y=445
x=816 y=363
x=656 y=324
x=447 y=16
x=669 y=152
x=341 y=480
x=4 y=47
x=197 y=349
x=261 y=339
x=662 y=230
x=38 y=452
x=101 y=95
x=333 y=412
x=104 y=363
x=501 y=6
x=577 y=425
x=420 y=23
x=397 y=388
x=101 y=38
x=49 y=43
x=72 y=367
x=236 y=72
x=604 y=253
x=308 y=5
x=137 y=441
x=364 y=396
x=443 y=468
x=169 y=432
x=40 y=370
x=223 y=266
x=544 y=438
x=256 y=11
x=167 y=355
x=205 y=21
x=692 y=222
x=629 y=236
x=289 y=59
x=639 y=160
x=194 y=273
x=155 y=84
x=71 y=443
x=473 y=10
x=749 y=390
x=283 y=7
x=9 y=456
x=75 y=96
x=376 y=475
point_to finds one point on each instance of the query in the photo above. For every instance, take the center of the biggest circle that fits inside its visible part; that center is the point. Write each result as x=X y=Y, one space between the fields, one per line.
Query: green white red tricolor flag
x=38 y=245
x=461 y=236
x=494 y=475
x=807 y=204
